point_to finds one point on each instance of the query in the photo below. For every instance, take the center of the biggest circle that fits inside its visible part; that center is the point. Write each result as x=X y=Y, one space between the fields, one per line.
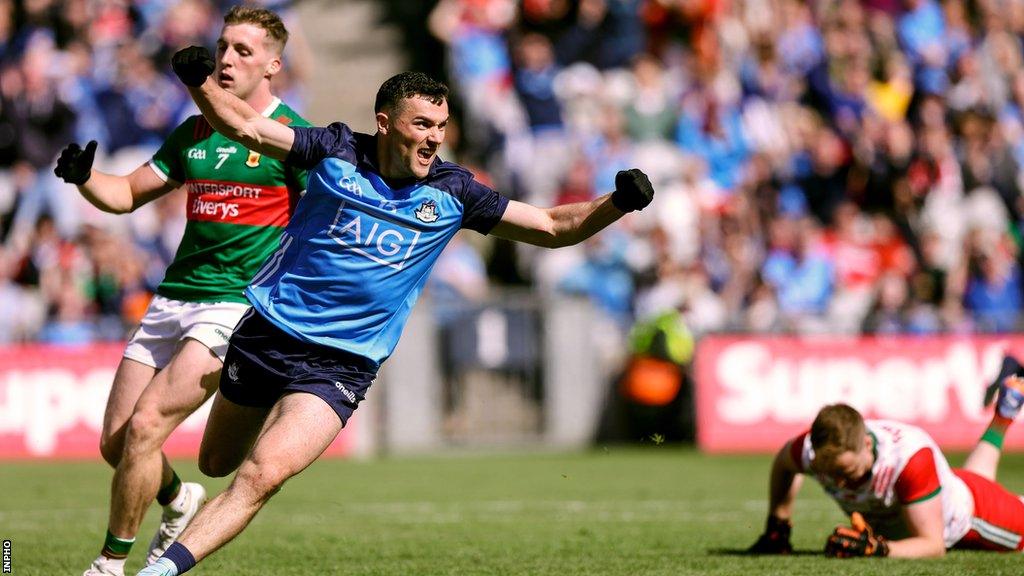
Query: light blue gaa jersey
x=356 y=253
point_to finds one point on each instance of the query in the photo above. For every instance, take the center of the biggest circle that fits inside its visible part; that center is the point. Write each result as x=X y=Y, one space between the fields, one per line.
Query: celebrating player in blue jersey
x=330 y=304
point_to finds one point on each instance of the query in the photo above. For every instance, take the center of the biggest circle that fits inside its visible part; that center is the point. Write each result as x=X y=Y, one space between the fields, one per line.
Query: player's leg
x=250 y=385
x=205 y=332
x=149 y=349
x=230 y=432
x=984 y=459
x=130 y=380
x=175 y=392
x=997 y=522
x=298 y=429
x=260 y=365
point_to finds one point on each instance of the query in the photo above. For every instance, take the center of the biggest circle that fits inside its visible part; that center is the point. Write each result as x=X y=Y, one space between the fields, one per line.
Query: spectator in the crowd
x=603 y=276
x=68 y=324
x=826 y=182
x=475 y=33
x=712 y=131
x=534 y=80
x=994 y=284
x=922 y=34
x=611 y=150
x=800 y=271
x=651 y=112
x=605 y=33
x=42 y=124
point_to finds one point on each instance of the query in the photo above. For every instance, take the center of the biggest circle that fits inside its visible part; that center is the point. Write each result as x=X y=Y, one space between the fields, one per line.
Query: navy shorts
x=263 y=363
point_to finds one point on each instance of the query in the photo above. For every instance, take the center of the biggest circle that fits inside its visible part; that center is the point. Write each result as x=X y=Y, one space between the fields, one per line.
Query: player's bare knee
x=263 y=480
x=147 y=430
x=271 y=479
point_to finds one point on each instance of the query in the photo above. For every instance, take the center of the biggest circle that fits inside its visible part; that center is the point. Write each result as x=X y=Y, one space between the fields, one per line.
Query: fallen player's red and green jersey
x=238 y=203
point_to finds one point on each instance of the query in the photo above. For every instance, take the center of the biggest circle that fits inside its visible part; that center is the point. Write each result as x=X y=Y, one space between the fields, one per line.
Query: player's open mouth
x=425 y=155
x=224 y=78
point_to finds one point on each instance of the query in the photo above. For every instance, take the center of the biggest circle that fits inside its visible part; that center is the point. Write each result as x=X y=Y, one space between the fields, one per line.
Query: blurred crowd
x=839 y=166
x=74 y=71
x=831 y=166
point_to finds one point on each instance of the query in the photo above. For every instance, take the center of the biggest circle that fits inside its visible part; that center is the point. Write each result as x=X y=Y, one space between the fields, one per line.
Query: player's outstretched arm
x=227 y=113
x=109 y=193
x=570 y=224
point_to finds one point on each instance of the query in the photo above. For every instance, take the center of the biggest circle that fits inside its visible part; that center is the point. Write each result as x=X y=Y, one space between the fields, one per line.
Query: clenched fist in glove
x=775 y=539
x=193 y=65
x=75 y=164
x=633 y=190
x=856 y=540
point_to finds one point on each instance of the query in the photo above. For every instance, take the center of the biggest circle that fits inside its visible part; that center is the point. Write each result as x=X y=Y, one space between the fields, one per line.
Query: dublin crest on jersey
x=427 y=212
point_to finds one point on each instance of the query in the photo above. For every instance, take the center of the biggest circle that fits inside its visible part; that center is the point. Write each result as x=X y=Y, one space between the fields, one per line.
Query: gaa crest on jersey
x=427 y=212
x=351 y=185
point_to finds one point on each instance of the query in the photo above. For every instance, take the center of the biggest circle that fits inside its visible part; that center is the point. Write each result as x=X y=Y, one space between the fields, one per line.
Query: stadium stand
x=838 y=166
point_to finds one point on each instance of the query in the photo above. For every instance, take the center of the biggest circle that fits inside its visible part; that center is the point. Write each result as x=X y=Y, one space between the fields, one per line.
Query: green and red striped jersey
x=238 y=203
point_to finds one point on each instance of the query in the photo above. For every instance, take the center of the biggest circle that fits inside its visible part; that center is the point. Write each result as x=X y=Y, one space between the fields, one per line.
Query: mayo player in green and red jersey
x=238 y=203
x=903 y=497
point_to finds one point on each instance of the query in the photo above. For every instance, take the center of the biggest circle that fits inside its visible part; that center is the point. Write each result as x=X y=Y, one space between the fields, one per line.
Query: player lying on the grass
x=238 y=203
x=904 y=499
x=330 y=304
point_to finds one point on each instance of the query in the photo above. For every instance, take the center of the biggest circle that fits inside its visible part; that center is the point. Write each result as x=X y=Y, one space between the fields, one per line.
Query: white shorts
x=167 y=322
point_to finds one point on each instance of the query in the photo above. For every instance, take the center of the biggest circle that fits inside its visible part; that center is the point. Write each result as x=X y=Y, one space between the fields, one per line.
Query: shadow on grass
x=744 y=552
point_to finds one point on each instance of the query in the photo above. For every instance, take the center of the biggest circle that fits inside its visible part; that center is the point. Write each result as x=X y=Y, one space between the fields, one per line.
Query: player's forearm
x=783 y=486
x=108 y=193
x=917 y=547
x=236 y=119
x=574 y=223
x=227 y=113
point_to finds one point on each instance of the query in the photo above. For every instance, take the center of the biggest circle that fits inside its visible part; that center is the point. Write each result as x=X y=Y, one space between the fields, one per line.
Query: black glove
x=193 y=65
x=775 y=539
x=633 y=191
x=858 y=540
x=75 y=165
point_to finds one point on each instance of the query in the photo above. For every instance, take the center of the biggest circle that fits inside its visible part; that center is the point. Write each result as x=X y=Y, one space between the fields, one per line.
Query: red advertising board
x=52 y=401
x=755 y=393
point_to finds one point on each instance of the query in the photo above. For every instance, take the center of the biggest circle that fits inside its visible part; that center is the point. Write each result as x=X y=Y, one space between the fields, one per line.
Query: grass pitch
x=612 y=511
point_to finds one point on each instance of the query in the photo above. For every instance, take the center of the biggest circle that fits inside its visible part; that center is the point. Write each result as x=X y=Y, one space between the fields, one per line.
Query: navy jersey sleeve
x=312 y=144
x=482 y=207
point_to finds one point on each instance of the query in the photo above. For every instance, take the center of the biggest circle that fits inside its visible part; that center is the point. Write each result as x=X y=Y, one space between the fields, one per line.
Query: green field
x=614 y=511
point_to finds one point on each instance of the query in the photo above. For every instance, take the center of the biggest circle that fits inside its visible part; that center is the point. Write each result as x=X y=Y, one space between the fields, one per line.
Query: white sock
x=177 y=505
x=115 y=563
x=164 y=567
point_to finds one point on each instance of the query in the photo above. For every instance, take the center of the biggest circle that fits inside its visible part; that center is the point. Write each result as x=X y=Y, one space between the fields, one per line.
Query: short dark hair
x=269 y=21
x=837 y=429
x=407 y=85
